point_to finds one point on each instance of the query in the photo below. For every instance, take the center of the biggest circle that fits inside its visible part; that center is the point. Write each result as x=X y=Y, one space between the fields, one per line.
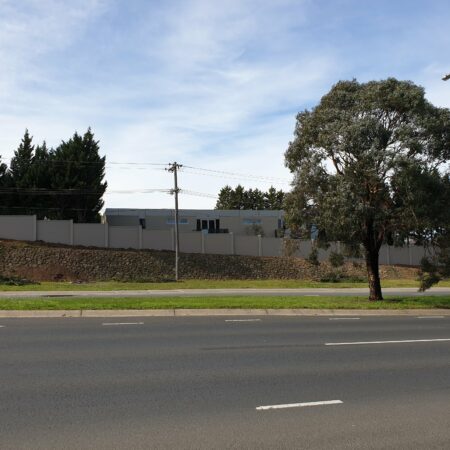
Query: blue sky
x=211 y=84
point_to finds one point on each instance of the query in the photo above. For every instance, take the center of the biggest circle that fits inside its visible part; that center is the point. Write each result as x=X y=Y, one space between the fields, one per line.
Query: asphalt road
x=196 y=383
x=224 y=292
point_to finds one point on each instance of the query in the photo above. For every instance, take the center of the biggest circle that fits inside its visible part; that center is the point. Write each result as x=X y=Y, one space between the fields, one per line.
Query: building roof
x=194 y=212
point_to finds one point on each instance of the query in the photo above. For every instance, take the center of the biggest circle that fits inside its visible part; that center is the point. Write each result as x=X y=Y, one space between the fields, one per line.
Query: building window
x=252 y=221
x=181 y=221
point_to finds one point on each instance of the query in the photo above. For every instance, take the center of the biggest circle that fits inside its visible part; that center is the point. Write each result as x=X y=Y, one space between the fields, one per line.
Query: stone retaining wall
x=41 y=262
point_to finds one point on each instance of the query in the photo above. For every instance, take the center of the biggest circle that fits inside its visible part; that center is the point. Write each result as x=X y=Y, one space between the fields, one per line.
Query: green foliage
x=333 y=276
x=336 y=259
x=370 y=167
x=255 y=230
x=290 y=247
x=313 y=257
x=240 y=198
x=437 y=267
x=21 y=162
x=15 y=281
x=66 y=183
x=77 y=165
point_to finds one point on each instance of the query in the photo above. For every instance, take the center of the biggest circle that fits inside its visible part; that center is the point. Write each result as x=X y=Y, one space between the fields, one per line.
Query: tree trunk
x=373 y=273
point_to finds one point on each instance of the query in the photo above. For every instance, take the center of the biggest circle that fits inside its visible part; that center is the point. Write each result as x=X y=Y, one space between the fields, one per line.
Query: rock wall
x=46 y=262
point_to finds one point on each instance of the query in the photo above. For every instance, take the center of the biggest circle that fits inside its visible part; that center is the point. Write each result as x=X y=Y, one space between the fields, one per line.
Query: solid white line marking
x=344 y=318
x=388 y=342
x=243 y=320
x=431 y=317
x=299 y=405
x=123 y=323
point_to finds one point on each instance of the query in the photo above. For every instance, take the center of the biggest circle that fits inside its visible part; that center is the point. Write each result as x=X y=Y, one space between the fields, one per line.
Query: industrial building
x=239 y=222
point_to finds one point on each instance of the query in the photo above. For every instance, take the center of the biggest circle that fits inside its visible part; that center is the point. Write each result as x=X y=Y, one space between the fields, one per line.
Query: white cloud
x=209 y=84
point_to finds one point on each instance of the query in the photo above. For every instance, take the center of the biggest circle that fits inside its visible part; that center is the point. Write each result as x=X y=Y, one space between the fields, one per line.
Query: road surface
x=225 y=382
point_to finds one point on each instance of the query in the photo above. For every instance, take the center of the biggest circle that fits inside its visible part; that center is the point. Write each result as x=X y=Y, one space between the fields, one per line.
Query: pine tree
x=4 y=185
x=77 y=173
x=240 y=198
x=274 y=199
x=21 y=162
x=20 y=198
x=40 y=182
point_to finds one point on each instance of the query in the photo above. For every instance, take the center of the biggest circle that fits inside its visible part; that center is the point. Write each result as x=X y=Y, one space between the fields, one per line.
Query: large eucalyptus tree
x=370 y=165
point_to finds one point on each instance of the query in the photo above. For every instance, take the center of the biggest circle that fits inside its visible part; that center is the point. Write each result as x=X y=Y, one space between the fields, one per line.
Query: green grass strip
x=397 y=302
x=204 y=284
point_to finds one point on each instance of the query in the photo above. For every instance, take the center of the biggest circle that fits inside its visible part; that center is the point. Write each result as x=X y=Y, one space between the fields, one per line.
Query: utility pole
x=173 y=168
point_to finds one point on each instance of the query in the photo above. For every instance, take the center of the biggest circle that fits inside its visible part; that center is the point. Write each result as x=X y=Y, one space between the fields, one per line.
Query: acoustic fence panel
x=157 y=239
x=272 y=247
x=55 y=231
x=218 y=244
x=246 y=245
x=124 y=237
x=21 y=228
x=90 y=234
x=191 y=242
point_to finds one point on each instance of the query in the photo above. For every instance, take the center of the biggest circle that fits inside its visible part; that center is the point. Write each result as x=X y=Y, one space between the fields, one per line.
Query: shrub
x=15 y=281
x=313 y=257
x=336 y=259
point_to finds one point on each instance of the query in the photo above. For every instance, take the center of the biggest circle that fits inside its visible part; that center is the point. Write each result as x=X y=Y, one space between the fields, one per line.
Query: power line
x=144 y=165
x=68 y=161
x=43 y=208
x=197 y=194
x=44 y=191
x=235 y=175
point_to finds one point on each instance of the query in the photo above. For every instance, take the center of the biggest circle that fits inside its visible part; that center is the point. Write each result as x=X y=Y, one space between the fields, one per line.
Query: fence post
x=34 y=228
x=259 y=245
x=71 y=232
x=140 y=237
x=106 y=235
x=232 y=242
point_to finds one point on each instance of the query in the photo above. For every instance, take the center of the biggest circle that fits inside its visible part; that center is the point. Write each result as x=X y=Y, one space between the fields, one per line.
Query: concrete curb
x=220 y=312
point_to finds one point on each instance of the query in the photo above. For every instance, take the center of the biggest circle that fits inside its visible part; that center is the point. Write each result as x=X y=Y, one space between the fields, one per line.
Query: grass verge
x=240 y=302
x=203 y=284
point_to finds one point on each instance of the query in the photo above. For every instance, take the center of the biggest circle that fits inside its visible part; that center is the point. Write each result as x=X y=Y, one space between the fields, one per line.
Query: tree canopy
x=240 y=198
x=62 y=183
x=370 y=165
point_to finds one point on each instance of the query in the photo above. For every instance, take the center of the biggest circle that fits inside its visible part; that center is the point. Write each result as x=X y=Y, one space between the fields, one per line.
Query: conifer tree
x=20 y=198
x=77 y=174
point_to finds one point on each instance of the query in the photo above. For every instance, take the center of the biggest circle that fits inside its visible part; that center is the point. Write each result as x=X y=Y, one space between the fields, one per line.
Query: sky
x=211 y=84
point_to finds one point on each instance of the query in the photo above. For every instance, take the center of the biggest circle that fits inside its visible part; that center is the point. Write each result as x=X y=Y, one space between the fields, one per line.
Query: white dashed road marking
x=431 y=317
x=344 y=318
x=299 y=405
x=243 y=320
x=122 y=323
x=406 y=341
